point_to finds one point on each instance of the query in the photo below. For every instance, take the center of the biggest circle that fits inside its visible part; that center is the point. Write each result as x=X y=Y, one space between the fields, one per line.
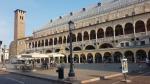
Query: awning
x=38 y=55
x=32 y=56
x=55 y=55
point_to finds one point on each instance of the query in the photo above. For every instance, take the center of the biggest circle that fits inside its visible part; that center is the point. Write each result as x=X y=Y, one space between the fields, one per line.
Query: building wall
x=12 y=49
x=125 y=30
x=21 y=45
x=6 y=56
x=122 y=30
x=118 y=13
x=142 y=35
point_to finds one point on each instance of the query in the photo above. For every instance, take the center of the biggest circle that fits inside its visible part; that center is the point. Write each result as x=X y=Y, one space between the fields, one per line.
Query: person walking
x=147 y=62
x=46 y=65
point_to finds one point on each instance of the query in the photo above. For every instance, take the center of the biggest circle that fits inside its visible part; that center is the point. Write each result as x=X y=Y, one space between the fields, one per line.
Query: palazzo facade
x=105 y=32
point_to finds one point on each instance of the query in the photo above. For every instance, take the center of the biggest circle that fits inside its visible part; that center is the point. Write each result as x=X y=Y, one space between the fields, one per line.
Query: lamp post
x=71 y=71
x=1 y=51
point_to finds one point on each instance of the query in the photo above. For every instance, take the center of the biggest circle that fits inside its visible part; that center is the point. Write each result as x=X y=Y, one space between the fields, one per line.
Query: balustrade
x=140 y=34
x=129 y=36
x=119 y=37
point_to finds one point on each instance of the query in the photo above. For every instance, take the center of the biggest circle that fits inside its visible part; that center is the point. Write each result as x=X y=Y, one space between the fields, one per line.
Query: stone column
x=102 y=59
x=53 y=45
x=59 y=60
x=49 y=59
x=134 y=29
x=27 y=46
x=113 y=59
x=34 y=46
x=93 y=59
x=37 y=44
x=54 y=59
x=76 y=37
x=44 y=43
x=89 y=35
x=147 y=54
x=104 y=34
x=114 y=32
x=66 y=40
x=66 y=59
x=96 y=36
x=31 y=45
x=40 y=60
x=48 y=41
x=79 y=59
x=146 y=29
x=114 y=39
x=134 y=57
x=82 y=36
x=96 y=40
x=86 y=59
x=123 y=30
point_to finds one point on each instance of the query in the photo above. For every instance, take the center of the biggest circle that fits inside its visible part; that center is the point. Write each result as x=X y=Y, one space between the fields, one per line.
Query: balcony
x=148 y=33
x=119 y=37
x=77 y=43
x=140 y=34
x=106 y=39
x=57 y=45
x=100 y=40
x=89 y=41
x=129 y=36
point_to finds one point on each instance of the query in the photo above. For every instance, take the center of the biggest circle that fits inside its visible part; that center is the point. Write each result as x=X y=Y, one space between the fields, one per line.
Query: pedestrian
x=147 y=62
x=43 y=65
x=46 y=65
x=50 y=63
x=140 y=66
x=33 y=64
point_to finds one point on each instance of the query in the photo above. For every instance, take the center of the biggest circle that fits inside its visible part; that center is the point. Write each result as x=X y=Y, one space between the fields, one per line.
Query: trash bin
x=60 y=72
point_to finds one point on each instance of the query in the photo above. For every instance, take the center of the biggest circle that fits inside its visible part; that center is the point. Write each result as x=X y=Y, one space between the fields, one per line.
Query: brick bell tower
x=19 y=25
x=17 y=46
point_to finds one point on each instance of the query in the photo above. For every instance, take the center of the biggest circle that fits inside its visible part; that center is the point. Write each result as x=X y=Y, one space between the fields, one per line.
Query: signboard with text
x=124 y=65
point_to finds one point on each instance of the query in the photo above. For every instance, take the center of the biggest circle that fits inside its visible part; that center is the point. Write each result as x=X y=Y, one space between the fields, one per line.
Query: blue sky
x=39 y=12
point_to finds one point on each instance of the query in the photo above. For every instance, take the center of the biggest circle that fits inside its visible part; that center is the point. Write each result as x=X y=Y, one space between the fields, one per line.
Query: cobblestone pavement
x=89 y=71
x=83 y=71
x=8 y=78
x=134 y=78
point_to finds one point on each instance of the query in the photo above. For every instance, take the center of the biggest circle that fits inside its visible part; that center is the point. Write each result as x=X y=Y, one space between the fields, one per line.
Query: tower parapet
x=19 y=25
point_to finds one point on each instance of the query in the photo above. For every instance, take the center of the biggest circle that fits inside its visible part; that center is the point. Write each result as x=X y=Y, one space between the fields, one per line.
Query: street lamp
x=1 y=52
x=71 y=71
